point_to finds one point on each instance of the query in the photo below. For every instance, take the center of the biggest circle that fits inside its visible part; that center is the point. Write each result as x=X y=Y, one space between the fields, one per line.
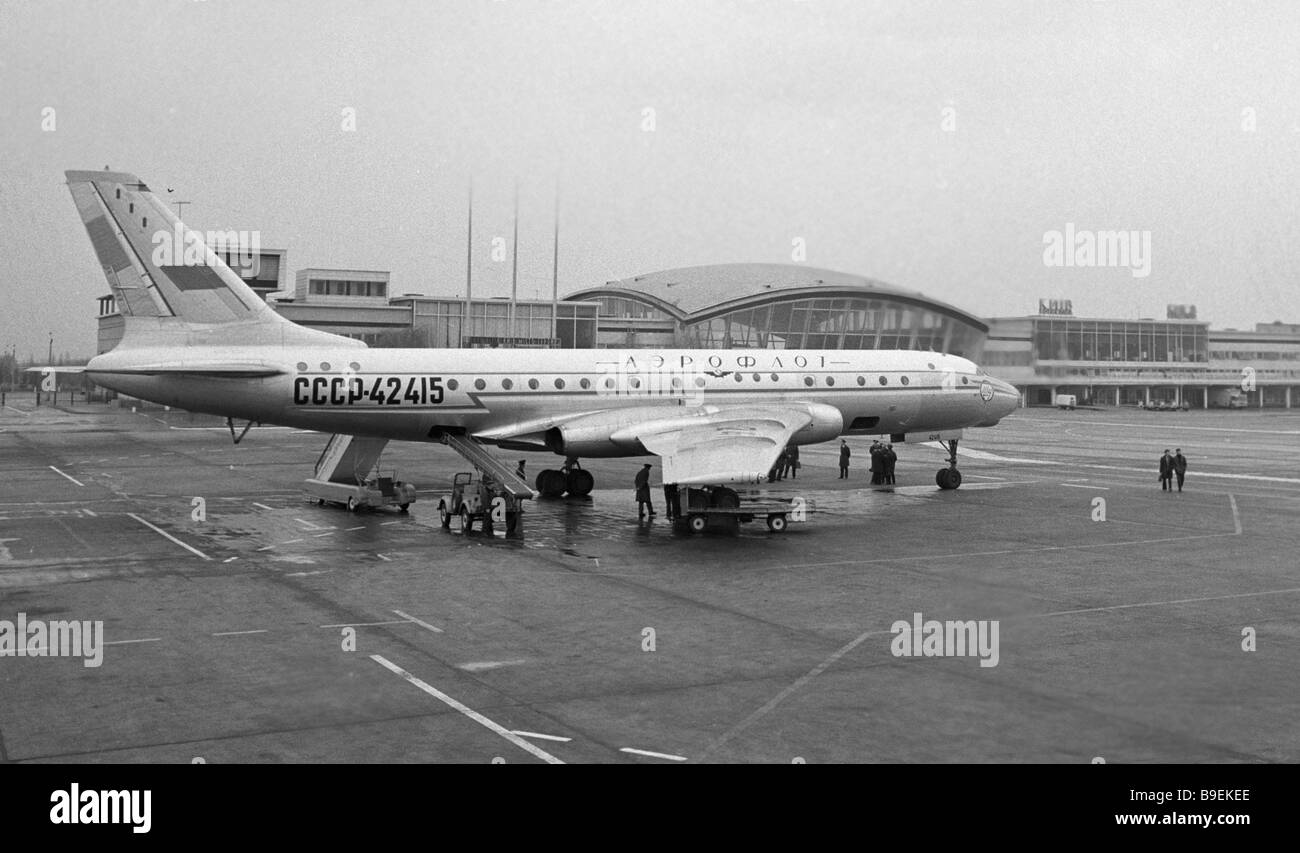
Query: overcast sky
x=772 y=121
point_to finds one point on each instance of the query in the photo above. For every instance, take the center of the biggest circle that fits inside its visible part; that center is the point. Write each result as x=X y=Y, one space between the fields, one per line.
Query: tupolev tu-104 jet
x=198 y=338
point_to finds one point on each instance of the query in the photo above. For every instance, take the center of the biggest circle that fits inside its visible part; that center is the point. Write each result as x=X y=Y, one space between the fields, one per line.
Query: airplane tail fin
x=156 y=266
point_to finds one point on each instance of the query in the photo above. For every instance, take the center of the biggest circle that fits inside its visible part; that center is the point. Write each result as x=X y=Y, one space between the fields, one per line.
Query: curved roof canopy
x=697 y=293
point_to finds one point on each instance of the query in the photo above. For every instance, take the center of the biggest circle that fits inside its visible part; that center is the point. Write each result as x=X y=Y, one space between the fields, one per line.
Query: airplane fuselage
x=514 y=396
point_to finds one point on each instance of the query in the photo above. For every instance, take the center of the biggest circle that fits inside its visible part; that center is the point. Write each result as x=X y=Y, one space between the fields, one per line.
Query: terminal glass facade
x=1068 y=339
x=836 y=323
x=442 y=323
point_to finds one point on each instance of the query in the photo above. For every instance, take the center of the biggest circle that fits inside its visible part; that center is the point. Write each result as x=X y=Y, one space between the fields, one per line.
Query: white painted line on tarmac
x=266 y=548
x=308 y=524
x=367 y=624
x=239 y=633
x=19 y=411
x=469 y=712
x=291 y=541
x=66 y=477
x=485 y=665
x=555 y=738
x=649 y=754
x=350 y=529
x=419 y=622
x=230 y=559
x=1083 y=486
x=127 y=642
x=1290 y=591
x=319 y=535
x=166 y=535
x=1236 y=516
x=385 y=559
x=386 y=523
x=264 y=506
x=91 y=513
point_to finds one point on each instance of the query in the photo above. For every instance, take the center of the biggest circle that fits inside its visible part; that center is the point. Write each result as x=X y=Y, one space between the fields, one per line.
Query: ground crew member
x=792 y=454
x=1166 y=471
x=844 y=459
x=642 y=484
x=889 y=457
x=1180 y=466
x=519 y=472
x=670 y=498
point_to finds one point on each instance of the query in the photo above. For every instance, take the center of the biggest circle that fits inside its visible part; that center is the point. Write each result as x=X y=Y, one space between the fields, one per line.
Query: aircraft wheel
x=776 y=523
x=954 y=479
x=697 y=523
x=726 y=498
x=579 y=483
x=466 y=520
x=551 y=483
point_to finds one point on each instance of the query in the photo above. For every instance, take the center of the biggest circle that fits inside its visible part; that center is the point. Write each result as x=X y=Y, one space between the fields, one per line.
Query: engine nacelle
x=614 y=433
x=827 y=424
x=592 y=436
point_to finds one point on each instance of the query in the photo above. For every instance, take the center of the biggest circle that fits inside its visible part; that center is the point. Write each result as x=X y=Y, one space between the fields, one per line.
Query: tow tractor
x=722 y=504
x=484 y=500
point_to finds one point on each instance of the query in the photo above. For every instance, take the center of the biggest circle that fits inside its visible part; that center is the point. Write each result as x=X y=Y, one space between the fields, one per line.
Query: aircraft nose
x=1002 y=400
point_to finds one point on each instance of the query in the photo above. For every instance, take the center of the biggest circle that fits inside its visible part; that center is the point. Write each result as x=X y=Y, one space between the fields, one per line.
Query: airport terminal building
x=1179 y=360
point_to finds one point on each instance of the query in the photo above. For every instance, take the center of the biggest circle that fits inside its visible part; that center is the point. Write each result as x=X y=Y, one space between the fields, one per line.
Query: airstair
x=488 y=464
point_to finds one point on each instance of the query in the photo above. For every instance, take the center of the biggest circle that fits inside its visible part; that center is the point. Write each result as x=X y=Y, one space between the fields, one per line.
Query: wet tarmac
x=267 y=628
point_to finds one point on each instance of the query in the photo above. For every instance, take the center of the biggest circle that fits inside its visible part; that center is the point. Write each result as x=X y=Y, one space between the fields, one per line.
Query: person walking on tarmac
x=670 y=498
x=1166 y=471
x=845 y=453
x=642 y=484
x=877 y=463
x=792 y=455
x=1180 y=466
x=889 y=457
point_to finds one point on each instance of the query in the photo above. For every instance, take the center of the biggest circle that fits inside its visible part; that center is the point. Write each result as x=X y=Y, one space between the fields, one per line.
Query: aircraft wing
x=733 y=446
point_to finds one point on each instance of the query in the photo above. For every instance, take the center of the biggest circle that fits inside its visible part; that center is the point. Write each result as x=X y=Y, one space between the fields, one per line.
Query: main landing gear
x=950 y=477
x=572 y=479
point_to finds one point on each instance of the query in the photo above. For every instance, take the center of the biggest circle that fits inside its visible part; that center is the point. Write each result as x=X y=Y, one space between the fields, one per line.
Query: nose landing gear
x=950 y=477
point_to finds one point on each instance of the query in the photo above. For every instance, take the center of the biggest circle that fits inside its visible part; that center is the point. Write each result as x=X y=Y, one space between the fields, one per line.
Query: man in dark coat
x=1180 y=466
x=793 y=452
x=643 y=492
x=844 y=459
x=877 y=464
x=1166 y=471
x=890 y=457
x=670 y=498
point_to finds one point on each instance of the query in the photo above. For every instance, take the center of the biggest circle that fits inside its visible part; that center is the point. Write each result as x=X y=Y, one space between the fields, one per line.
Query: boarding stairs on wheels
x=346 y=473
x=489 y=465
